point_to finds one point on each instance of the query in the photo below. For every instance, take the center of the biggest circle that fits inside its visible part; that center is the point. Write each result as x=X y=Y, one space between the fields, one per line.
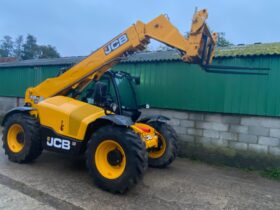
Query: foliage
x=6 y=47
x=273 y=173
x=48 y=51
x=26 y=48
x=163 y=48
x=30 y=48
x=222 y=41
x=18 y=47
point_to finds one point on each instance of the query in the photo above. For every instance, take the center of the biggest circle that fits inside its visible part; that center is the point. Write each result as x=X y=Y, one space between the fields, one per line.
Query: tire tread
x=170 y=135
x=137 y=150
x=33 y=127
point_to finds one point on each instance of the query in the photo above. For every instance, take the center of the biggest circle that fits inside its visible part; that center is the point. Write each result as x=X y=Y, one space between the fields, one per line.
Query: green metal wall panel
x=177 y=85
x=14 y=81
x=181 y=86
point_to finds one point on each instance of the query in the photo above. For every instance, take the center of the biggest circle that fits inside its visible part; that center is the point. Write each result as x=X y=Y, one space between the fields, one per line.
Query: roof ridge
x=168 y=55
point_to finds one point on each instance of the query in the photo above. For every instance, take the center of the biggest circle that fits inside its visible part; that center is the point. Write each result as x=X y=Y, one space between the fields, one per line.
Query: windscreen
x=126 y=91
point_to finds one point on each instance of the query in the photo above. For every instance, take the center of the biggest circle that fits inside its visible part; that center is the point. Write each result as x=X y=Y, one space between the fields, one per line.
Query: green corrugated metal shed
x=166 y=82
x=15 y=77
x=15 y=80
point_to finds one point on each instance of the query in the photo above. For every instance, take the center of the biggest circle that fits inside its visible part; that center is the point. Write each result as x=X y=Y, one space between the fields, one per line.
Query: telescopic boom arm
x=198 y=48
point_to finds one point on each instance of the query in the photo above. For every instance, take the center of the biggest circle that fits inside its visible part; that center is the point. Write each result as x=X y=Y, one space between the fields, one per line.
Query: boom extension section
x=197 y=48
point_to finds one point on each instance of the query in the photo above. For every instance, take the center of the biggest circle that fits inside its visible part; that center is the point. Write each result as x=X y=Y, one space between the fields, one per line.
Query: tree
x=48 y=51
x=30 y=48
x=6 y=46
x=18 y=47
x=163 y=47
x=222 y=41
x=26 y=48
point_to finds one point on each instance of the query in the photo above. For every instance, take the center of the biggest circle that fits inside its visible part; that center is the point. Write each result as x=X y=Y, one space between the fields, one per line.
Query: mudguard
x=118 y=119
x=153 y=118
x=16 y=110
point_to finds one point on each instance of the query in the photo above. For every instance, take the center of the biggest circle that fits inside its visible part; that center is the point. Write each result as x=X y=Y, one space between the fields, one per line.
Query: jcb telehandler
x=84 y=110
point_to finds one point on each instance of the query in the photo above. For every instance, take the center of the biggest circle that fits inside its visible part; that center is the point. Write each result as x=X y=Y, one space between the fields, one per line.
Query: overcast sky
x=77 y=27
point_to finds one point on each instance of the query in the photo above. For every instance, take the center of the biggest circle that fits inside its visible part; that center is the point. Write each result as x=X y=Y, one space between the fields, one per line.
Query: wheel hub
x=160 y=149
x=15 y=138
x=110 y=159
x=20 y=137
x=114 y=157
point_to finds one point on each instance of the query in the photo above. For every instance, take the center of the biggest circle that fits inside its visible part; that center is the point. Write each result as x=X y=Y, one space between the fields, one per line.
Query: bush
x=273 y=173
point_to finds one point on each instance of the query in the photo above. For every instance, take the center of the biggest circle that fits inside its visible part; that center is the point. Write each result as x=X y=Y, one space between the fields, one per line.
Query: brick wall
x=242 y=133
x=7 y=103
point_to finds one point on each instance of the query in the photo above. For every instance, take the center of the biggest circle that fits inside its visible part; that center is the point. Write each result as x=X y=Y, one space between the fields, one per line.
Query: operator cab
x=114 y=91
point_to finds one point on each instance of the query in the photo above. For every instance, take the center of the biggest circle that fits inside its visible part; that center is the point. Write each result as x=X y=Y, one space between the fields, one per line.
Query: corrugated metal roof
x=257 y=49
x=44 y=62
x=170 y=55
x=232 y=51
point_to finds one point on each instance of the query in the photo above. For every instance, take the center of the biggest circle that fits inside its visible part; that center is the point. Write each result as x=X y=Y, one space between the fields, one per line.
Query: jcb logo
x=58 y=143
x=115 y=44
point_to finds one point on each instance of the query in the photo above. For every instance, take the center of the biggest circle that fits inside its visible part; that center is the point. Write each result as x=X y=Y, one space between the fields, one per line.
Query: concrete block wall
x=242 y=133
x=238 y=132
x=7 y=103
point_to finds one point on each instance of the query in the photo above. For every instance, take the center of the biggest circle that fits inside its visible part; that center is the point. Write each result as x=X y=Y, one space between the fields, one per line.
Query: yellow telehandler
x=92 y=111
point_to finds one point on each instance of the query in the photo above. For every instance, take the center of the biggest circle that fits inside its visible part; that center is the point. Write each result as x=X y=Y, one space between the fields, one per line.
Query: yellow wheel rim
x=159 y=152
x=110 y=159
x=15 y=138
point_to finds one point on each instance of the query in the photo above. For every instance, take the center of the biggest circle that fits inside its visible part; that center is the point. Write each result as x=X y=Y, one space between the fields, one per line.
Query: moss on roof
x=249 y=50
x=257 y=49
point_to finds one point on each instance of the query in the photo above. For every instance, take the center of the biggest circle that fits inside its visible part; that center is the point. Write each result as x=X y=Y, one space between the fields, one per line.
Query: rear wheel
x=166 y=152
x=116 y=158
x=21 y=138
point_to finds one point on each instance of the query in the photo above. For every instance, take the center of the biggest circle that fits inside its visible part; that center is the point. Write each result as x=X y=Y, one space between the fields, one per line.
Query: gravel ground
x=62 y=182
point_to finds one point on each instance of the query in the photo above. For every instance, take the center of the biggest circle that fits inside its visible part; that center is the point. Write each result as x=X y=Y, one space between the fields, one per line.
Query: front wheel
x=166 y=152
x=21 y=138
x=116 y=158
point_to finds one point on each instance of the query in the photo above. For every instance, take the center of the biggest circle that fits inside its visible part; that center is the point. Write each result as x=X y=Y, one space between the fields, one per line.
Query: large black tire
x=32 y=146
x=167 y=134
x=135 y=155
